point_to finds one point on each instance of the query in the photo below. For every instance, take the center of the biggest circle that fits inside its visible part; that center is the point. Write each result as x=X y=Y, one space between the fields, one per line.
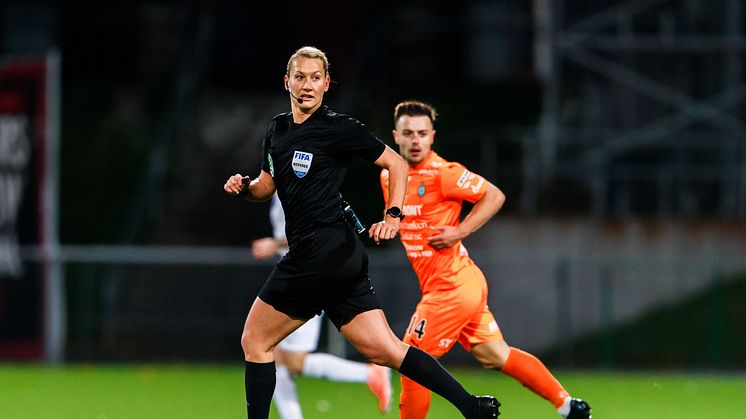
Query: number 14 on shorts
x=417 y=327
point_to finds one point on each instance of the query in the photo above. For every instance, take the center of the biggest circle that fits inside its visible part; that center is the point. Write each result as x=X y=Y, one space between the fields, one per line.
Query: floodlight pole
x=55 y=310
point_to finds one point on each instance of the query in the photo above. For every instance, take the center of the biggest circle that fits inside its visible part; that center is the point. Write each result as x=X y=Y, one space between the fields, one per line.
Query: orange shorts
x=460 y=314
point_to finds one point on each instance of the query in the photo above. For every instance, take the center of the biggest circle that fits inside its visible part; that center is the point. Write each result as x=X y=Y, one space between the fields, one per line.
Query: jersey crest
x=301 y=163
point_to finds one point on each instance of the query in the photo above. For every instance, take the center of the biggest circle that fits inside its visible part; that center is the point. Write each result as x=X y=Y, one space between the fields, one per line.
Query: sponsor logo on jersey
x=411 y=210
x=421 y=190
x=301 y=163
x=466 y=179
x=413 y=226
x=271 y=165
x=420 y=254
x=411 y=236
x=476 y=187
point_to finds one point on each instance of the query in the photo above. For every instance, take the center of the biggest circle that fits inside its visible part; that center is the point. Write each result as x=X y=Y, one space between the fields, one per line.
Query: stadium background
x=615 y=128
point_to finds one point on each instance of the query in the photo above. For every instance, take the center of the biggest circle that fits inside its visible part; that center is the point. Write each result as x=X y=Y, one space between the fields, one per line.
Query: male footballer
x=453 y=307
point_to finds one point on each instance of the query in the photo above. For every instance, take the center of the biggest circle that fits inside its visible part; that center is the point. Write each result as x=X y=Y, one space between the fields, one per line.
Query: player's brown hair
x=415 y=108
x=308 y=52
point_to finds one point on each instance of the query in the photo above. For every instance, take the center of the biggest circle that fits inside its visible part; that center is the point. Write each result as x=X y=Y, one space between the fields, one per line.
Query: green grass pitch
x=216 y=392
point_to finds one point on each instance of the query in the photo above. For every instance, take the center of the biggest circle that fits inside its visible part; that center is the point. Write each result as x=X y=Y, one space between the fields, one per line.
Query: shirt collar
x=322 y=110
x=426 y=161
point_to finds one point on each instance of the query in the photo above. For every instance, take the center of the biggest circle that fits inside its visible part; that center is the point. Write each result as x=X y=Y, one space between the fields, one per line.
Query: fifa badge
x=301 y=163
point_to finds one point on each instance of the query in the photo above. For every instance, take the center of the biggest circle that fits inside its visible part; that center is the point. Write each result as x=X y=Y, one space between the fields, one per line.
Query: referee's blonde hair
x=308 y=52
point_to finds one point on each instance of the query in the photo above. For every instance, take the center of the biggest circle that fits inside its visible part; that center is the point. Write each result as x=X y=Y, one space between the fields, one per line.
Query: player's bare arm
x=256 y=190
x=267 y=247
x=398 y=168
x=487 y=206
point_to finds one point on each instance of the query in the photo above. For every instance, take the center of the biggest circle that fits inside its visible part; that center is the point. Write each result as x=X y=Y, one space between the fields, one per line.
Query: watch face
x=394 y=212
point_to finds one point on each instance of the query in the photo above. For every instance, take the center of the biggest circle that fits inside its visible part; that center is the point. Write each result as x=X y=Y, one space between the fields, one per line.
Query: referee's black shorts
x=327 y=270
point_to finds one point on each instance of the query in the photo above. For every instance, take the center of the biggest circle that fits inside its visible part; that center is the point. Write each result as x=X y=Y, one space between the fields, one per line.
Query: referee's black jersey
x=308 y=163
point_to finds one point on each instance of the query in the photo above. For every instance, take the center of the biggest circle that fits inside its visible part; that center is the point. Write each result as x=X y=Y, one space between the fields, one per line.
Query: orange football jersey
x=436 y=189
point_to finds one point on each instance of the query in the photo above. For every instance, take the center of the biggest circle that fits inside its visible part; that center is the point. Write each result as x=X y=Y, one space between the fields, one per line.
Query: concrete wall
x=613 y=271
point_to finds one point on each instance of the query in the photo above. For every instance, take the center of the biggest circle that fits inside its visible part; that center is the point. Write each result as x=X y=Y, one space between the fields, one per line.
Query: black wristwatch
x=395 y=212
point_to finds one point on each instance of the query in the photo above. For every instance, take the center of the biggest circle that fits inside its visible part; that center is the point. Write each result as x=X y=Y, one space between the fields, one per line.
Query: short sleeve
x=384 y=178
x=457 y=182
x=266 y=158
x=354 y=140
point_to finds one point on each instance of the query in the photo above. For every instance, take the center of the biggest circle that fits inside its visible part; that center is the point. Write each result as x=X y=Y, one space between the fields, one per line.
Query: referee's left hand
x=384 y=230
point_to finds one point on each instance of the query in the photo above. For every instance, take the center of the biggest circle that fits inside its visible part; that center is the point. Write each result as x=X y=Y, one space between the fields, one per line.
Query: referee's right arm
x=398 y=169
x=257 y=190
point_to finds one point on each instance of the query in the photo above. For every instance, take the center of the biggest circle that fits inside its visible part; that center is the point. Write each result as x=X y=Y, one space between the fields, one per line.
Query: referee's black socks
x=425 y=370
x=259 y=380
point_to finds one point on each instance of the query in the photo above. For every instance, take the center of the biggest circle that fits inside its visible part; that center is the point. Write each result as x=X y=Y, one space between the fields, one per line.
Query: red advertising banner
x=23 y=120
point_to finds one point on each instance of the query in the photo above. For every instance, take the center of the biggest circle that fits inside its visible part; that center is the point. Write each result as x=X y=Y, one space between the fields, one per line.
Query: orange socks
x=532 y=373
x=415 y=400
x=524 y=367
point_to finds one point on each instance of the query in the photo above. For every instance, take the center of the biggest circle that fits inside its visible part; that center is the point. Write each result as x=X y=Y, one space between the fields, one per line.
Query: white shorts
x=305 y=339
